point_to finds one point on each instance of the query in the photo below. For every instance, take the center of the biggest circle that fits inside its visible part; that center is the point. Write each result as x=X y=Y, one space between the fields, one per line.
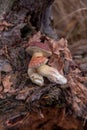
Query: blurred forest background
x=70 y=19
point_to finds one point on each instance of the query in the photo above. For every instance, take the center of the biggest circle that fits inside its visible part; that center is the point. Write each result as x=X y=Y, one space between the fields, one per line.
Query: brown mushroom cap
x=39 y=47
x=37 y=61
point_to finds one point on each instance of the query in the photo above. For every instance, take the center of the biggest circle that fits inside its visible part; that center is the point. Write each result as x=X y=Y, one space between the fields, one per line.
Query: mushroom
x=38 y=49
x=39 y=52
x=32 y=71
x=52 y=74
x=35 y=62
x=37 y=66
x=35 y=77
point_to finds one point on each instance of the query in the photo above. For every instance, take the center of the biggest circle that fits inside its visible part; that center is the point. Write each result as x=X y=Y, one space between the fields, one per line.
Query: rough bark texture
x=5 y=7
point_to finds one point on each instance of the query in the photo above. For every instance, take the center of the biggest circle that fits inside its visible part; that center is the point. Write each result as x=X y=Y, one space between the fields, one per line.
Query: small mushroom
x=38 y=49
x=52 y=74
x=32 y=71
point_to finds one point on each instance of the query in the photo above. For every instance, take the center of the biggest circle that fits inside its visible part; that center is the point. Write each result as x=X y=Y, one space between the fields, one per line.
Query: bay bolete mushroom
x=38 y=49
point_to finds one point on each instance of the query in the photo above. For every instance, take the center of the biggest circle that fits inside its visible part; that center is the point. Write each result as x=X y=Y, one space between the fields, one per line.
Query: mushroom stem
x=37 y=54
x=52 y=74
x=35 y=77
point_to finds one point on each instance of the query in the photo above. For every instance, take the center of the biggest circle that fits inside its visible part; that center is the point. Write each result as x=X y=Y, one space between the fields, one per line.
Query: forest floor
x=24 y=105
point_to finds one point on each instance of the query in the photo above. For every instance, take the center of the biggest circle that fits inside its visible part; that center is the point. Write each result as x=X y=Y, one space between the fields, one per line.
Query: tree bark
x=5 y=6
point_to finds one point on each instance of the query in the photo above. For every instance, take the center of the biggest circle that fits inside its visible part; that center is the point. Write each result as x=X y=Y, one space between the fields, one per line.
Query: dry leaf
x=35 y=37
x=57 y=63
x=4 y=25
x=7 y=83
x=60 y=53
x=61 y=46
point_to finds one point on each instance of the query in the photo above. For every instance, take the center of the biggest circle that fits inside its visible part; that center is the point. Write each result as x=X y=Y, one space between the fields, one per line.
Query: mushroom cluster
x=38 y=67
